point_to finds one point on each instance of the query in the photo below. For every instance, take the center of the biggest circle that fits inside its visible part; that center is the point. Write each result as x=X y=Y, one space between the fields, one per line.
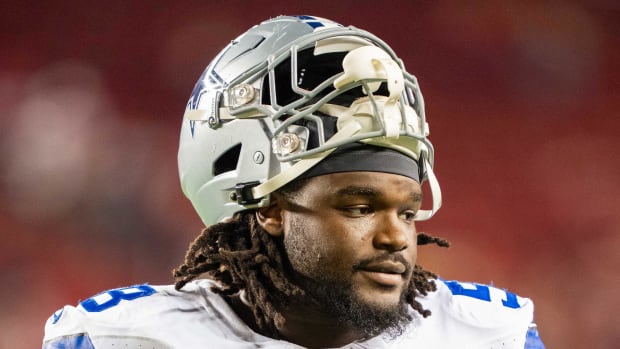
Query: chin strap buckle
x=243 y=193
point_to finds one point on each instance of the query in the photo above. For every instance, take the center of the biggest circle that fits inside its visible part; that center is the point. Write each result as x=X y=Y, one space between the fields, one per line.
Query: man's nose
x=393 y=234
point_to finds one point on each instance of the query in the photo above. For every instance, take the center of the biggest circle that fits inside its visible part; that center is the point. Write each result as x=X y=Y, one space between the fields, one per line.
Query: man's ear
x=270 y=217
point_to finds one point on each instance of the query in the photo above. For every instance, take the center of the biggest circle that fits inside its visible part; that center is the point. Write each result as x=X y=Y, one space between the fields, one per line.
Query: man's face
x=351 y=239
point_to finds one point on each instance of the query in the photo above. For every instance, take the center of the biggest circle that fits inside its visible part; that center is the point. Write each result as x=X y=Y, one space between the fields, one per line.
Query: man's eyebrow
x=355 y=190
x=416 y=197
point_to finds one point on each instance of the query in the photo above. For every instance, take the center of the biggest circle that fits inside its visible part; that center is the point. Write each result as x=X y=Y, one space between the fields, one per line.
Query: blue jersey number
x=108 y=299
x=481 y=292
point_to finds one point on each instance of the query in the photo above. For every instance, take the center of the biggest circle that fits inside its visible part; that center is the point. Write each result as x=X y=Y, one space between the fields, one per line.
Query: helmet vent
x=228 y=161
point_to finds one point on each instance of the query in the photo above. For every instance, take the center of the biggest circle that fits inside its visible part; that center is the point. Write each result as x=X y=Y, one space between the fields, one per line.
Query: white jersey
x=464 y=315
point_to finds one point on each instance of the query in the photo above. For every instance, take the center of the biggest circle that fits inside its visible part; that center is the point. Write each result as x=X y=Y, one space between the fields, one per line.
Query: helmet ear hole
x=227 y=161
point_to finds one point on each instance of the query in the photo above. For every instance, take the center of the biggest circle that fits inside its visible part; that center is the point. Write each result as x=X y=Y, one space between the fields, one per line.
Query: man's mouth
x=384 y=279
x=389 y=267
x=387 y=273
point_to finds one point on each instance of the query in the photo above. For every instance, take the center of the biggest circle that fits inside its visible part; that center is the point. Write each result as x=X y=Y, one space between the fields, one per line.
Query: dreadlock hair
x=240 y=255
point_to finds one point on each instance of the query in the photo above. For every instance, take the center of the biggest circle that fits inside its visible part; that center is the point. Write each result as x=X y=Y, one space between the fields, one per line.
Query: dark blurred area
x=523 y=101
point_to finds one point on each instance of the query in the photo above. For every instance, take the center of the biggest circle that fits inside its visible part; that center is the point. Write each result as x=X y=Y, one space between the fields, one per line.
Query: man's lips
x=383 y=279
x=389 y=267
x=385 y=273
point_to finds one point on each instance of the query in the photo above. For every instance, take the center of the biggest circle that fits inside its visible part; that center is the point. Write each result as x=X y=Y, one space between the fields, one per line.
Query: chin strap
x=423 y=215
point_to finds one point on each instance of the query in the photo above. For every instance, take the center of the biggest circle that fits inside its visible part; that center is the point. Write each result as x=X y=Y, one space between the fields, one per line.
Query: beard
x=341 y=301
x=336 y=295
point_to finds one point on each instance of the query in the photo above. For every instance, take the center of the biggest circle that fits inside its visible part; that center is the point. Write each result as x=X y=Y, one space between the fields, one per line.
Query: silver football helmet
x=284 y=95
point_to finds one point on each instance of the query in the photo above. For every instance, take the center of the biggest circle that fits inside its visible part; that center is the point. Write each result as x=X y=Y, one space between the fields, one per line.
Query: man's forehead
x=364 y=183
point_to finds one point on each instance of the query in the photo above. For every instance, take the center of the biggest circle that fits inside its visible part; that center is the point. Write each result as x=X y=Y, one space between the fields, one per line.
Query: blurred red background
x=523 y=100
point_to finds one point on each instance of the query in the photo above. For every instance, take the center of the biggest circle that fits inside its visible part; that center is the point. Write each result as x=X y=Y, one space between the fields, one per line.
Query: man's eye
x=358 y=211
x=408 y=216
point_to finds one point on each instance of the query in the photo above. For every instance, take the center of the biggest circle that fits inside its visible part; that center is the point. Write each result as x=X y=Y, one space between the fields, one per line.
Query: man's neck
x=303 y=325
x=309 y=328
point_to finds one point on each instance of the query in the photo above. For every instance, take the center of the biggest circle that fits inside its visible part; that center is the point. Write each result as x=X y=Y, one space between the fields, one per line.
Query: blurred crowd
x=523 y=101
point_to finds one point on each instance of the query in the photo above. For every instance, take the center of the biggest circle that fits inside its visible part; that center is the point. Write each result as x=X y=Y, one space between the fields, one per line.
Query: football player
x=303 y=149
